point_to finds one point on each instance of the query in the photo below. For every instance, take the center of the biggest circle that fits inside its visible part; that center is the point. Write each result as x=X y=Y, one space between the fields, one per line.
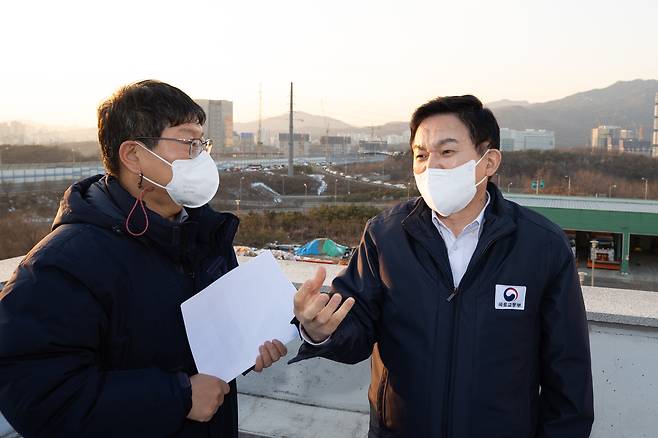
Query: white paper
x=227 y=321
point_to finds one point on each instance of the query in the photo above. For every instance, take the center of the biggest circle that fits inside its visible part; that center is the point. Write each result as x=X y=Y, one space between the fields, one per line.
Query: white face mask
x=194 y=182
x=448 y=191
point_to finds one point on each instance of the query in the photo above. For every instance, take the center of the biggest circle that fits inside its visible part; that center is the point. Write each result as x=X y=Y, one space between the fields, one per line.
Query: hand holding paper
x=270 y=352
x=228 y=321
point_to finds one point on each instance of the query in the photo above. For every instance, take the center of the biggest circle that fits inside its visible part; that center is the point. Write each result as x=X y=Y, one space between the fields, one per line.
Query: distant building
x=606 y=138
x=335 y=145
x=246 y=139
x=399 y=139
x=301 y=143
x=219 y=122
x=625 y=134
x=371 y=146
x=614 y=139
x=529 y=139
x=635 y=146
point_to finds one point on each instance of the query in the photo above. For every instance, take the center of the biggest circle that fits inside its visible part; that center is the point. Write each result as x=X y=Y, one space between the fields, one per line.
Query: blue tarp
x=322 y=247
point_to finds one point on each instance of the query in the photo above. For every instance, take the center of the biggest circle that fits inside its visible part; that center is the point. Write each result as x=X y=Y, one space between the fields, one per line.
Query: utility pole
x=290 y=142
x=259 y=141
x=326 y=125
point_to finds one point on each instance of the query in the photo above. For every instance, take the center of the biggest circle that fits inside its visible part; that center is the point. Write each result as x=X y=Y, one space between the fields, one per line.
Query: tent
x=322 y=247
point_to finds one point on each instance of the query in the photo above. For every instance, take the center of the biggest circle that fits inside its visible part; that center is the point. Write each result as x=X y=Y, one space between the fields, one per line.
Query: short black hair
x=480 y=122
x=142 y=109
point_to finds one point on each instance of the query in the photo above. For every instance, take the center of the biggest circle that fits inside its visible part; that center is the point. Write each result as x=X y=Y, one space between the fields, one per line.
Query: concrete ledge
x=621 y=306
x=266 y=417
x=316 y=382
x=616 y=306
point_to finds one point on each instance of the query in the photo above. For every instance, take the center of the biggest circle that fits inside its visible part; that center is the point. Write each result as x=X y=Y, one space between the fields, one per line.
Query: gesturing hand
x=319 y=313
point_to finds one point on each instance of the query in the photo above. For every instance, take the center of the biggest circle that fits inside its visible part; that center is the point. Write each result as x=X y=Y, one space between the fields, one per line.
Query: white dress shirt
x=461 y=248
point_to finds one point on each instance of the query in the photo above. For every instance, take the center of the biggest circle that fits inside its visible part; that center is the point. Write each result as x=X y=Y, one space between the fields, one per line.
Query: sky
x=364 y=62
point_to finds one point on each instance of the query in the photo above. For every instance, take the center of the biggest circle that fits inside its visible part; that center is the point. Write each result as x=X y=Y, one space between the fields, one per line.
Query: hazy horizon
x=365 y=63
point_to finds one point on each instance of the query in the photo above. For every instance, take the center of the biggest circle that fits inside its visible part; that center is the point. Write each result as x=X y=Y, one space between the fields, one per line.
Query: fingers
x=314 y=307
x=270 y=352
x=311 y=287
x=327 y=312
x=340 y=315
x=319 y=278
x=265 y=354
x=279 y=346
x=273 y=351
x=258 y=367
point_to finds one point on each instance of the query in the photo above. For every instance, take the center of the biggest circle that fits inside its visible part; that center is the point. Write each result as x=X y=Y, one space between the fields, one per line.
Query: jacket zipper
x=447 y=398
x=454 y=333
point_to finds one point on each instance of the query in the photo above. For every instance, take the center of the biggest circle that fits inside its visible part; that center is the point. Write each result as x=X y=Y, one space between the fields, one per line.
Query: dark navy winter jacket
x=92 y=340
x=458 y=362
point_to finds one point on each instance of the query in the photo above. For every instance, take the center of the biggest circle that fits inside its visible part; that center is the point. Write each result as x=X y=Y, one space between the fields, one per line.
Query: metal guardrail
x=36 y=173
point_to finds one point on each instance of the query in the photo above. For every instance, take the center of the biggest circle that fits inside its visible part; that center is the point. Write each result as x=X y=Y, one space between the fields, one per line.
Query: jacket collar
x=205 y=230
x=498 y=222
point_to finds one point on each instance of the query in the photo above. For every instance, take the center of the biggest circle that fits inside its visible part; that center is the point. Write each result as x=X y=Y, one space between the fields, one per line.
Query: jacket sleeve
x=51 y=381
x=566 y=400
x=354 y=338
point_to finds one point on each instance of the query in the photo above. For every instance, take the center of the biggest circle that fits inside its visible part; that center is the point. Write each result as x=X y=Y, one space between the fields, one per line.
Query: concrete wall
x=625 y=371
x=624 y=367
x=319 y=398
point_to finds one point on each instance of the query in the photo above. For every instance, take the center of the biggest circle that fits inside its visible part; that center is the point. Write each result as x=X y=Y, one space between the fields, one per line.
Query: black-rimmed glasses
x=196 y=145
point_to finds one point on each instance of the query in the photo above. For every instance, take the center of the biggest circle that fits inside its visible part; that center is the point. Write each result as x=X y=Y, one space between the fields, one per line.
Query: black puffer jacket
x=92 y=340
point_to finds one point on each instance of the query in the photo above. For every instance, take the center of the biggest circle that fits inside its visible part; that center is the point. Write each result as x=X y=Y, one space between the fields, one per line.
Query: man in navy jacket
x=92 y=340
x=469 y=304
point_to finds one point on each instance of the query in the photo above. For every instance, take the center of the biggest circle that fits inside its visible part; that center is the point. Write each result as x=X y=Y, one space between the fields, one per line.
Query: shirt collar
x=181 y=216
x=477 y=223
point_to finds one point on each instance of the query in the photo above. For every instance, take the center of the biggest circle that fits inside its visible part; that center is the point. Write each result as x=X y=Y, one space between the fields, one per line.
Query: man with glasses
x=92 y=340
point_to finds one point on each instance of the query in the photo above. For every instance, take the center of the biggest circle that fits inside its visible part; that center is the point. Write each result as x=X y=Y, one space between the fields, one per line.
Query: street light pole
x=646 y=187
x=240 y=192
x=613 y=186
x=305 y=192
x=508 y=187
x=568 y=184
x=593 y=257
x=335 y=191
